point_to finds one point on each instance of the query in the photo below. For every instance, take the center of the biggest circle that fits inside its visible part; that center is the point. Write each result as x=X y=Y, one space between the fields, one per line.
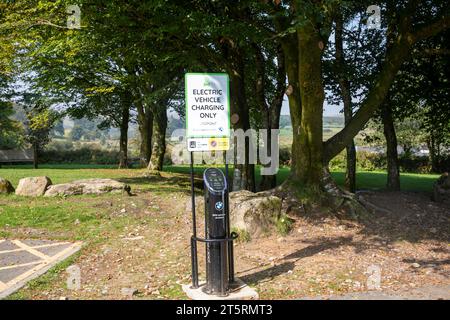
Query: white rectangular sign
x=207 y=111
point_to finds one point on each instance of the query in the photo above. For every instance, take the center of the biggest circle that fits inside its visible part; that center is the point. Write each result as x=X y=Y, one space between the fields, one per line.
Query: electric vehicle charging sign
x=207 y=111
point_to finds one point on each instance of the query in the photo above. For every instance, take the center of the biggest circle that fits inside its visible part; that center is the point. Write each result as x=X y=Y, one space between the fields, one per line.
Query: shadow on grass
x=410 y=216
x=268 y=274
x=437 y=265
x=413 y=218
x=317 y=246
x=163 y=184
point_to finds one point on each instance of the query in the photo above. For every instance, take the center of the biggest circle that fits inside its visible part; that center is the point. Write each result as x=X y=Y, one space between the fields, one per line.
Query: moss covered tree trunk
x=159 y=138
x=307 y=157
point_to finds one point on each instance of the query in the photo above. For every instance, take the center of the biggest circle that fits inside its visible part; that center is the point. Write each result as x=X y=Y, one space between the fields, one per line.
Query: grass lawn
x=366 y=180
x=61 y=173
x=92 y=218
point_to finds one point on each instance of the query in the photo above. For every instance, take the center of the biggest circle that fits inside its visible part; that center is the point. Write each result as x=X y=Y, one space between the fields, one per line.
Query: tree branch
x=48 y=23
x=432 y=29
x=395 y=56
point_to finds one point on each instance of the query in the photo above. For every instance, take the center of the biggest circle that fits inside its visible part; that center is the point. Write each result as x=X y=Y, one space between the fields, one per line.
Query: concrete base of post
x=239 y=291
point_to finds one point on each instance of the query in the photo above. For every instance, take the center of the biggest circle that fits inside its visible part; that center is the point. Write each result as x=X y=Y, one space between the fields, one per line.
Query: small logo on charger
x=219 y=205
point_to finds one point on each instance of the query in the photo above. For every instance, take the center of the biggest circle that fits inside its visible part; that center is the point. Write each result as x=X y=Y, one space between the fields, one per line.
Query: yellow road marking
x=26 y=274
x=60 y=254
x=20 y=265
x=36 y=247
x=40 y=264
x=31 y=250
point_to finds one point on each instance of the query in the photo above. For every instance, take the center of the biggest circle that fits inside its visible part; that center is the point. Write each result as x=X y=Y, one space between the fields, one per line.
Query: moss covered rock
x=254 y=213
x=6 y=187
x=441 y=190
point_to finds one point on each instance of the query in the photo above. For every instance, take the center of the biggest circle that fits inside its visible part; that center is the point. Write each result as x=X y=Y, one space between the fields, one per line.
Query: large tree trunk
x=434 y=147
x=344 y=85
x=310 y=177
x=145 y=122
x=350 y=172
x=123 y=153
x=271 y=113
x=307 y=157
x=291 y=58
x=159 y=138
x=393 y=180
x=244 y=174
x=269 y=181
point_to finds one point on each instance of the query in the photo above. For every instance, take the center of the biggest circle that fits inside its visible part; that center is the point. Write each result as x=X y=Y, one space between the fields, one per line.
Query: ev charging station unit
x=218 y=237
x=208 y=128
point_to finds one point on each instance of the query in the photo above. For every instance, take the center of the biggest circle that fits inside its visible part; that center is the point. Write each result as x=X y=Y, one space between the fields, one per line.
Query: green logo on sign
x=207 y=83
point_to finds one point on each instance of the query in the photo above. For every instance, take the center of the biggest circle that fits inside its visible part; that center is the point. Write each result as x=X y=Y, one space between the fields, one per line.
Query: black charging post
x=218 y=236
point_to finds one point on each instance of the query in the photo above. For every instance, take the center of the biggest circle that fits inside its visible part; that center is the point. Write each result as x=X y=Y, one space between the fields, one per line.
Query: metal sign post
x=194 y=261
x=208 y=129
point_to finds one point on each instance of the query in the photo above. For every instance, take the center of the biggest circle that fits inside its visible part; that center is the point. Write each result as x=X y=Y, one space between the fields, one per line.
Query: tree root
x=329 y=197
x=345 y=204
x=374 y=208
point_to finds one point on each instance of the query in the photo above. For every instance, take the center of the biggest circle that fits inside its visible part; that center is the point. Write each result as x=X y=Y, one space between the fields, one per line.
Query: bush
x=338 y=163
x=444 y=164
x=367 y=161
x=60 y=145
x=414 y=164
x=284 y=225
x=80 y=156
x=285 y=156
x=167 y=160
